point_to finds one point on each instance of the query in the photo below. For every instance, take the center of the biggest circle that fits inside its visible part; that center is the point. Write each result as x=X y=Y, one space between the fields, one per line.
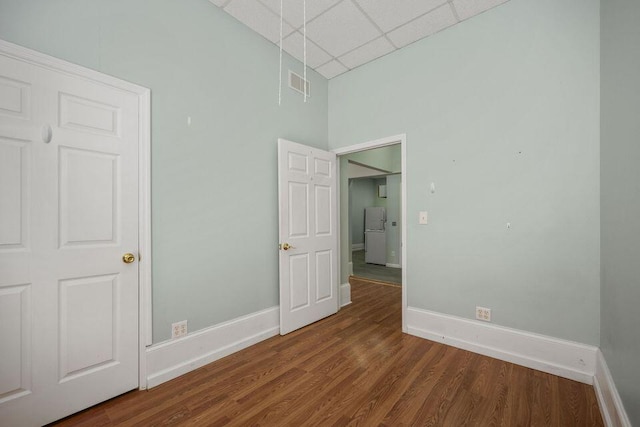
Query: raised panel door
x=308 y=235
x=68 y=213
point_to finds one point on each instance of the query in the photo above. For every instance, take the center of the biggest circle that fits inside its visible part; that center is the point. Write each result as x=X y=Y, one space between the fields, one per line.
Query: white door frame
x=144 y=170
x=384 y=142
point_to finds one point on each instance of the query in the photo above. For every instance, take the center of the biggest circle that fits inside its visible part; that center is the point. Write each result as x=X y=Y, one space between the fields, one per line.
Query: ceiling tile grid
x=259 y=18
x=293 y=10
x=344 y=34
x=342 y=29
x=424 y=26
x=390 y=15
x=367 y=52
x=468 y=8
x=294 y=45
x=331 y=69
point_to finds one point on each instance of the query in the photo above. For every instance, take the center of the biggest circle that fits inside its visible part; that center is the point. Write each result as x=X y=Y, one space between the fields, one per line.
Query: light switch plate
x=422 y=217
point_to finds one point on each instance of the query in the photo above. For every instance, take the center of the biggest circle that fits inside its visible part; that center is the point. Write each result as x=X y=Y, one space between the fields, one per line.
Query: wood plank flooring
x=357 y=280
x=354 y=368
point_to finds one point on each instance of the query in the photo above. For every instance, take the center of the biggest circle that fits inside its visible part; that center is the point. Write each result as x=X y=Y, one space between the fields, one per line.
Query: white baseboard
x=394 y=265
x=171 y=359
x=345 y=294
x=566 y=359
x=611 y=406
x=357 y=247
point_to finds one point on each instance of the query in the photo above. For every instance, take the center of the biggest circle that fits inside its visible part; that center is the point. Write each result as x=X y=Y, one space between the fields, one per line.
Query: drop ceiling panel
x=424 y=26
x=368 y=52
x=344 y=34
x=258 y=17
x=294 y=45
x=292 y=9
x=332 y=69
x=341 y=29
x=468 y=8
x=389 y=15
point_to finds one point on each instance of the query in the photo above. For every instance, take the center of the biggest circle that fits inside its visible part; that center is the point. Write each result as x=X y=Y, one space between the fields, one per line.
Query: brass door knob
x=128 y=258
x=286 y=246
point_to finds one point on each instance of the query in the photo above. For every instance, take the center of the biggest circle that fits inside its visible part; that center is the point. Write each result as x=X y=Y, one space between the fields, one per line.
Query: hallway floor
x=374 y=271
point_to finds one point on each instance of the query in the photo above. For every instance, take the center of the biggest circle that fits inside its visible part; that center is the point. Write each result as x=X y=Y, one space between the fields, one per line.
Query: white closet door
x=68 y=214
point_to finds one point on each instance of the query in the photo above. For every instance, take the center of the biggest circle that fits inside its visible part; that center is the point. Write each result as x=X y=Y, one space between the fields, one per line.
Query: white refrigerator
x=375 y=236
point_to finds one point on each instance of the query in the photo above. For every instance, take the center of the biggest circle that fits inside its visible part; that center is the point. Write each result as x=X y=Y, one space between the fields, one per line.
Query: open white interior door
x=308 y=235
x=68 y=242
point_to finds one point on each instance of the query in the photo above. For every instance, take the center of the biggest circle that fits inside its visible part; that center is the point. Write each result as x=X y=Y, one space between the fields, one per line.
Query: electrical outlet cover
x=179 y=329
x=483 y=313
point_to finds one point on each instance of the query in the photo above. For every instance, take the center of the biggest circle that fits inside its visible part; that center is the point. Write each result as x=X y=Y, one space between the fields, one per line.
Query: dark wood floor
x=354 y=368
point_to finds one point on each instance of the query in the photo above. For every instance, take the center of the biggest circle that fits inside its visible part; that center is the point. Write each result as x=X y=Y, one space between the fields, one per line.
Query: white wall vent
x=297 y=83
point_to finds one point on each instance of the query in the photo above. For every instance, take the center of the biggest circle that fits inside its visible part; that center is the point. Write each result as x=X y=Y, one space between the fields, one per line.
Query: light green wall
x=502 y=113
x=214 y=196
x=620 y=200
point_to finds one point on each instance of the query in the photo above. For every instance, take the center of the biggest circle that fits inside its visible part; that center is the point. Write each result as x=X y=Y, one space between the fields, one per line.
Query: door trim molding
x=24 y=54
x=378 y=143
x=145 y=323
x=345 y=294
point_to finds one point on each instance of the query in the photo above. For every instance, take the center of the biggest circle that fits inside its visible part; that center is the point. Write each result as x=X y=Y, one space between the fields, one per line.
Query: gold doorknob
x=128 y=258
x=286 y=246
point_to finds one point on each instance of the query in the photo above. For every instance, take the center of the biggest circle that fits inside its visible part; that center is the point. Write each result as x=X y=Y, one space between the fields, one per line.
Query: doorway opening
x=375 y=225
x=372 y=206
